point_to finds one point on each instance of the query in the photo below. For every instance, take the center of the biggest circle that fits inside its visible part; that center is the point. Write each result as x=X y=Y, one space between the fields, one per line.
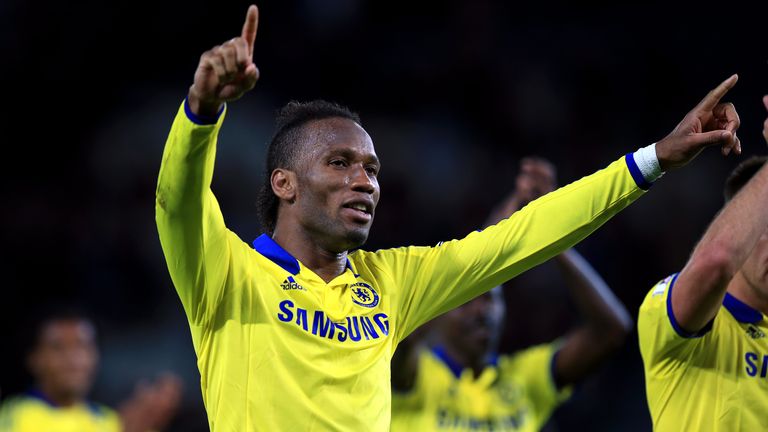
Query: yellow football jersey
x=515 y=393
x=714 y=380
x=278 y=348
x=34 y=413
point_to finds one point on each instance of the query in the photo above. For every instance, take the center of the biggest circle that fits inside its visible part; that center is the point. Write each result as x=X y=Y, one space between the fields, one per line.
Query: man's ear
x=284 y=184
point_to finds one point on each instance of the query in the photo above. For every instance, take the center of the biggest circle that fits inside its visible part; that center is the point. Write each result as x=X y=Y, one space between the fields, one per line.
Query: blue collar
x=741 y=311
x=453 y=365
x=36 y=393
x=270 y=249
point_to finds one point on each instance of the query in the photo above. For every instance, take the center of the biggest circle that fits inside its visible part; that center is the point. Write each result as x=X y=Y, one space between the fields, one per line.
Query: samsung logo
x=351 y=329
x=757 y=365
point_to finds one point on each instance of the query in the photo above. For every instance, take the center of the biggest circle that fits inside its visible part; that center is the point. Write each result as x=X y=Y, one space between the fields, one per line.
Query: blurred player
x=462 y=383
x=703 y=331
x=63 y=362
x=294 y=332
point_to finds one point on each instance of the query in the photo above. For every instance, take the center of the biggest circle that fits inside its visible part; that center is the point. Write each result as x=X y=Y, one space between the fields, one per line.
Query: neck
x=60 y=399
x=742 y=289
x=466 y=360
x=311 y=253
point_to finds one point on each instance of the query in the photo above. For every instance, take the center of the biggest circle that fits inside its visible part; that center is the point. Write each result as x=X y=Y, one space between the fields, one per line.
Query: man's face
x=755 y=268
x=474 y=328
x=65 y=358
x=337 y=189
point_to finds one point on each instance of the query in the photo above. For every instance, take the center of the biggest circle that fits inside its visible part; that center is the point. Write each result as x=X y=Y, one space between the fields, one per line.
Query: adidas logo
x=754 y=332
x=290 y=284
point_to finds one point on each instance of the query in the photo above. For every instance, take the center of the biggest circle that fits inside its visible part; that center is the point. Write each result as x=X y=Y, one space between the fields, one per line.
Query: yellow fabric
x=518 y=394
x=268 y=356
x=31 y=414
x=715 y=382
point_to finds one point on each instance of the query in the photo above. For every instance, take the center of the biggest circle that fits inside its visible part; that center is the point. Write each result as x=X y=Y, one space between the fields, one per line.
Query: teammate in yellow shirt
x=63 y=362
x=296 y=332
x=453 y=379
x=703 y=331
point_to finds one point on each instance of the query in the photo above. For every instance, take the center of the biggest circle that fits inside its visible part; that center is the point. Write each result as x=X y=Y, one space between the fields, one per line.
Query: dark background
x=453 y=93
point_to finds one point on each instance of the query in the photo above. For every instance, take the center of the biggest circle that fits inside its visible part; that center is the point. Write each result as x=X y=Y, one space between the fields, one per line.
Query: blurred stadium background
x=453 y=93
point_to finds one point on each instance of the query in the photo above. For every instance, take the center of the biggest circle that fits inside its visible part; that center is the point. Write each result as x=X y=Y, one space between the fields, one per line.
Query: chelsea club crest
x=364 y=295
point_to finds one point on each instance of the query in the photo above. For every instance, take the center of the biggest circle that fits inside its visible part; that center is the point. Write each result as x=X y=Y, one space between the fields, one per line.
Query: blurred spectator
x=63 y=360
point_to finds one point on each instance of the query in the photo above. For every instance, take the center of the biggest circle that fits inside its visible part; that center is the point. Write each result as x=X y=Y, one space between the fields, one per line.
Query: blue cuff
x=201 y=120
x=637 y=175
x=672 y=320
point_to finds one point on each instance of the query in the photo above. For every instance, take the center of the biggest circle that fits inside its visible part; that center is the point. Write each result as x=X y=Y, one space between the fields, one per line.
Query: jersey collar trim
x=39 y=395
x=275 y=253
x=741 y=311
x=453 y=365
x=36 y=393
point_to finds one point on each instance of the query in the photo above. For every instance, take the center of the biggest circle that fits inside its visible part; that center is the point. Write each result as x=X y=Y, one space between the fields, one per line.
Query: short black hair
x=741 y=175
x=48 y=315
x=285 y=147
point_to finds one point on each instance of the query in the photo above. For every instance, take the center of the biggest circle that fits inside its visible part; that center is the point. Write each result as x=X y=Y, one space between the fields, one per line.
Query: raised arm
x=555 y=222
x=536 y=178
x=197 y=246
x=700 y=287
x=606 y=322
x=226 y=72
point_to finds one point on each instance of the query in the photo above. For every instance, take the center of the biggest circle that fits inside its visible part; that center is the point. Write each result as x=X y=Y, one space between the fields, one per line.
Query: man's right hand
x=709 y=123
x=226 y=72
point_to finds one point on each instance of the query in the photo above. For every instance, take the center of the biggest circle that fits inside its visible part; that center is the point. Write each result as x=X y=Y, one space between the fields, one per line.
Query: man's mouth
x=359 y=206
x=358 y=210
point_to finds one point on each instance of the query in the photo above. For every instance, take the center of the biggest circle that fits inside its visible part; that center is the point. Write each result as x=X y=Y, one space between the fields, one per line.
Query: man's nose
x=361 y=181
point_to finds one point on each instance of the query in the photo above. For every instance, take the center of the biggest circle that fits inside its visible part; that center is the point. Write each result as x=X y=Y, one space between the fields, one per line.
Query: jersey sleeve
x=433 y=280
x=664 y=345
x=8 y=421
x=199 y=250
x=535 y=366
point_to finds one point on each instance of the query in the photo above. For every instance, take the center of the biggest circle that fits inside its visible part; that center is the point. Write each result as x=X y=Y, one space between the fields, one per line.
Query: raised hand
x=537 y=177
x=226 y=72
x=152 y=405
x=709 y=123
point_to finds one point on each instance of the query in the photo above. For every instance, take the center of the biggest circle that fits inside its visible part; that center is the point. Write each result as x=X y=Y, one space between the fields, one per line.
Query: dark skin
x=226 y=72
x=470 y=333
x=732 y=256
x=327 y=204
x=64 y=363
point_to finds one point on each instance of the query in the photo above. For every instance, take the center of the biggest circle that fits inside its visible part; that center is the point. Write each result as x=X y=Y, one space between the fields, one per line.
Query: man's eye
x=338 y=163
x=372 y=170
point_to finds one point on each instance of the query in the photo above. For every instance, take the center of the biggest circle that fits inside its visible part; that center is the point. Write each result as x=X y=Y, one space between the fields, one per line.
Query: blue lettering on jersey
x=368 y=330
x=382 y=321
x=449 y=419
x=754 y=364
x=316 y=323
x=287 y=313
x=354 y=330
x=301 y=318
x=322 y=326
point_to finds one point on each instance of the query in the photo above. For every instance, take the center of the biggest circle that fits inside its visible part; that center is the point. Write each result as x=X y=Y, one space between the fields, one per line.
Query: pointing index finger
x=713 y=97
x=250 y=27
